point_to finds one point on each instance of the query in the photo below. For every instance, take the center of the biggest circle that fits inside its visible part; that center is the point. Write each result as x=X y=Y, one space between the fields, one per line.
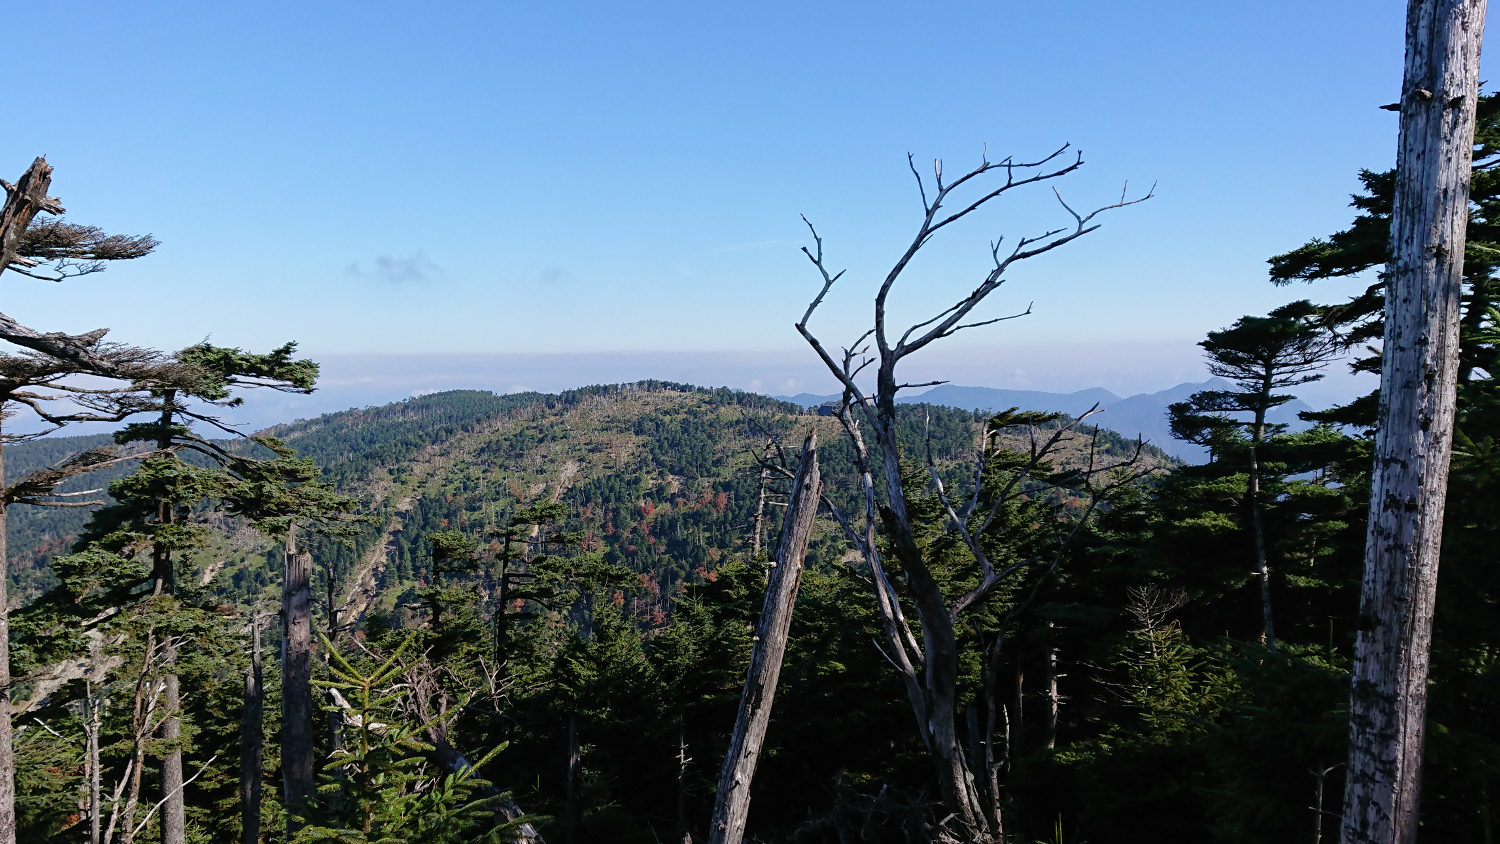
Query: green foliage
x=379 y=782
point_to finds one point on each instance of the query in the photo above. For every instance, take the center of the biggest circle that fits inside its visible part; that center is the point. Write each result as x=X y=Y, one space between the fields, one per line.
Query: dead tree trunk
x=297 y=764
x=91 y=725
x=7 y=752
x=1054 y=700
x=930 y=669
x=760 y=510
x=252 y=741
x=574 y=763
x=1419 y=367
x=732 y=804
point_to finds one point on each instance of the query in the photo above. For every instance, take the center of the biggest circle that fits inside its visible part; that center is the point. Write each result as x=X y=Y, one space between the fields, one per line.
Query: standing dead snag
x=732 y=803
x=1414 y=434
x=929 y=669
x=298 y=766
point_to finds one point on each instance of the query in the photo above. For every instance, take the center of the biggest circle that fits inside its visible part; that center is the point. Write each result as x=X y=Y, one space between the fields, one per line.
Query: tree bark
x=1054 y=700
x=1413 y=440
x=91 y=724
x=252 y=740
x=174 y=810
x=297 y=764
x=760 y=511
x=7 y=752
x=732 y=802
x=1268 y=628
x=335 y=718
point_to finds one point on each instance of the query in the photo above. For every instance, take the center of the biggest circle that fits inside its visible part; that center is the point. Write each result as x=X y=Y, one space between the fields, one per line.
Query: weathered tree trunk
x=252 y=741
x=91 y=724
x=1054 y=700
x=7 y=752
x=760 y=511
x=574 y=763
x=1419 y=365
x=732 y=803
x=297 y=764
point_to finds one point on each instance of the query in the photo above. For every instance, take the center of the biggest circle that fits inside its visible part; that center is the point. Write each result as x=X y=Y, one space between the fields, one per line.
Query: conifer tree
x=1260 y=355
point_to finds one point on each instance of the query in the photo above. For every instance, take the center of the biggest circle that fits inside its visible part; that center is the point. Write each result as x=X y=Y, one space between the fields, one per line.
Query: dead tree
x=929 y=668
x=732 y=802
x=298 y=763
x=1413 y=441
x=252 y=740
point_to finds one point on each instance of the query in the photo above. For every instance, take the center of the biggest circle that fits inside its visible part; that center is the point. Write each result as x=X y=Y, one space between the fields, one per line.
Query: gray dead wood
x=298 y=766
x=732 y=802
x=7 y=751
x=1419 y=367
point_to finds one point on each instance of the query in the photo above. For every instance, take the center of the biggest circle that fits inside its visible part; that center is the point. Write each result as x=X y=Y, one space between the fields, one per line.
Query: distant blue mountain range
x=1143 y=415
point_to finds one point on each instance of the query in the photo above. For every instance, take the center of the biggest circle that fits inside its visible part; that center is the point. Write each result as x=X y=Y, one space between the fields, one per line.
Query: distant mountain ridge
x=1143 y=414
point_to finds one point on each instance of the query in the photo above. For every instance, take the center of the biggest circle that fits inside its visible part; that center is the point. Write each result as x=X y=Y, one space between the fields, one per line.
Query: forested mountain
x=468 y=459
x=655 y=479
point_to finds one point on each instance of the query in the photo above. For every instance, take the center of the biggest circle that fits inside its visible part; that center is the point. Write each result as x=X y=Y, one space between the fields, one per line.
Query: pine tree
x=1260 y=355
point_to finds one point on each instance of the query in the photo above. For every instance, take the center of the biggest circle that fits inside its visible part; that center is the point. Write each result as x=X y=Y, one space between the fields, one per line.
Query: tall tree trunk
x=574 y=763
x=1054 y=700
x=174 y=809
x=297 y=765
x=252 y=741
x=1413 y=440
x=1257 y=435
x=732 y=804
x=7 y=752
x=1267 y=627
x=91 y=724
x=760 y=511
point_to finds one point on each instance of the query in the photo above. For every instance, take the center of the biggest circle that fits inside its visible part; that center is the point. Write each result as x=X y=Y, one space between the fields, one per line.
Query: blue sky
x=496 y=178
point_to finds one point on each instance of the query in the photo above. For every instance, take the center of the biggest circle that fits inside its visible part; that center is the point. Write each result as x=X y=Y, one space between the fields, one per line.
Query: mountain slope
x=661 y=478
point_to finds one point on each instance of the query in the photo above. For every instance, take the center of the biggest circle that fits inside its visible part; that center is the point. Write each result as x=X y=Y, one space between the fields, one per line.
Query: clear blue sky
x=491 y=177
